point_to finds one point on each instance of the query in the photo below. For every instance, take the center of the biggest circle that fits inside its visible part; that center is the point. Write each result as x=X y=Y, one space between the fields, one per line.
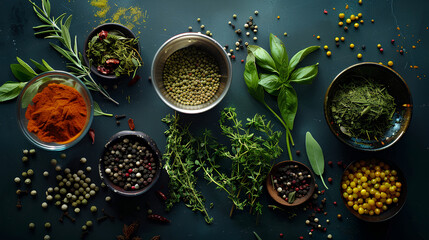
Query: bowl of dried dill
x=368 y=106
x=111 y=51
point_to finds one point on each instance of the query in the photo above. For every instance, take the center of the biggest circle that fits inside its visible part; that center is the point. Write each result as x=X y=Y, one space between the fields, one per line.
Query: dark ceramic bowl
x=144 y=140
x=106 y=27
x=396 y=86
x=393 y=208
x=273 y=192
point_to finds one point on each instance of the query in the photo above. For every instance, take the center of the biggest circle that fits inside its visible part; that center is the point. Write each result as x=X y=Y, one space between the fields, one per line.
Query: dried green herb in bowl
x=112 y=51
x=363 y=108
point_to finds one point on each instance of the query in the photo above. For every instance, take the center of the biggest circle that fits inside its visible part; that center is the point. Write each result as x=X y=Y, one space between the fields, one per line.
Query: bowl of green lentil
x=368 y=106
x=191 y=73
x=130 y=163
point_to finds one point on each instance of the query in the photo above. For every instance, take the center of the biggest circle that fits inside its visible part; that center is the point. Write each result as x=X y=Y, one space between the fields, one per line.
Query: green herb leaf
x=251 y=78
x=287 y=100
x=26 y=66
x=39 y=66
x=10 y=90
x=271 y=83
x=291 y=197
x=46 y=6
x=315 y=156
x=99 y=112
x=263 y=58
x=299 y=56
x=257 y=236
x=31 y=91
x=305 y=75
x=280 y=57
x=20 y=73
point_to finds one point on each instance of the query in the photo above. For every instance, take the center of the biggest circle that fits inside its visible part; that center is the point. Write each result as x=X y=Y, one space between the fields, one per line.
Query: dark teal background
x=301 y=20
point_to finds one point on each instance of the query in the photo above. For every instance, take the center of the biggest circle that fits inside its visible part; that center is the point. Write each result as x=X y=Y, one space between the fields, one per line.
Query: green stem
x=288 y=134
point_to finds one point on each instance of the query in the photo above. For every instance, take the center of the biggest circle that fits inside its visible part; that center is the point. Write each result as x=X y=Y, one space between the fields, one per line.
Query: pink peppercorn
x=381 y=50
x=393 y=41
x=325 y=11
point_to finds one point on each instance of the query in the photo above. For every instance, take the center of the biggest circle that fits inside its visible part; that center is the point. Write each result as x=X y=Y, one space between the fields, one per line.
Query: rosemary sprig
x=55 y=28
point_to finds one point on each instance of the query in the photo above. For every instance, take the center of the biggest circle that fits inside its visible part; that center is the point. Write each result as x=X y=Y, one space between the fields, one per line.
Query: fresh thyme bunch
x=180 y=157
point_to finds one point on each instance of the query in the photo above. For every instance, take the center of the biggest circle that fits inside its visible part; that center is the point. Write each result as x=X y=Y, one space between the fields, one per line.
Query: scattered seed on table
x=255 y=38
x=24 y=159
x=342 y=39
x=328 y=53
x=17 y=180
x=30 y=172
x=33 y=193
x=88 y=223
x=359 y=56
x=285 y=34
x=346 y=28
x=198 y=19
x=27 y=181
x=278 y=17
x=234 y=16
x=47 y=237
x=339 y=216
x=256 y=12
x=329 y=236
x=381 y=50
x=31 y=226
x=25 y=151
x=47 y=225
x=318 y=37
x=326 y=47
x=390 y=63
x=32 y=151
x=352 y=46
x=108 y=199
x=341 y=15
x=340 y=23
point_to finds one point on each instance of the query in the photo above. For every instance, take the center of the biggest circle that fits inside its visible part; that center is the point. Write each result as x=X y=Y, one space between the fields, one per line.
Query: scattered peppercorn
x=390 y=63
x=318 y=37
x=356 y=25
x=326 y=47
x=342 y=39
x=328 y=53
x=337 y=39
x=341 y=15
x=352 y=46
x=401 y=52
x=340 y=23
x=381 y=50
x=198 y=19
x=346 y=28
x=359 y=56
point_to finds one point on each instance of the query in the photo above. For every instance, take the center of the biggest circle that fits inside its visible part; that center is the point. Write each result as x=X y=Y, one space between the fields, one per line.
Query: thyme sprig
x=180 y=165
x=55 y=28
x=253 y=148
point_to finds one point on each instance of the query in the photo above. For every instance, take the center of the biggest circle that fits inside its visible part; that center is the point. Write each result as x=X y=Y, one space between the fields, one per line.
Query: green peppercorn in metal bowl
x=191 y=73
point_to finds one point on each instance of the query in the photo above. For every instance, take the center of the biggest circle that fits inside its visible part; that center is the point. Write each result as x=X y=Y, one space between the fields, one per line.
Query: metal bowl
x=273 y=192
x=145 y=140
x=106 y=27
x=396 y=86
x=37 y=84
x=182 y=41
x=393 y=209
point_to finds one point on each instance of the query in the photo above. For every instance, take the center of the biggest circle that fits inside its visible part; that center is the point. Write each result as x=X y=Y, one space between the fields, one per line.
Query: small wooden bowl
x=393 y=209
x=273 y=192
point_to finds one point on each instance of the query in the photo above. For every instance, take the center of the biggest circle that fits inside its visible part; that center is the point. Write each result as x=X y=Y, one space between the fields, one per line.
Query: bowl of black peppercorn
x=130 y=163
x=290 y=183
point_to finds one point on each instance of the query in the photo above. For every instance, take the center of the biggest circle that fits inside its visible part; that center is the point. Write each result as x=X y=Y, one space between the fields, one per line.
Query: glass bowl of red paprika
x=55 y=110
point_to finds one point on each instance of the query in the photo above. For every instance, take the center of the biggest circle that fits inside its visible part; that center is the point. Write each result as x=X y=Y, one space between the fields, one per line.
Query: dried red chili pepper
x=91 y=133
x=158 y=218
x=134 y=80
x=161 y=195
x=103 y=35
x=131 y=124
x=103 y=70
x=112 y=62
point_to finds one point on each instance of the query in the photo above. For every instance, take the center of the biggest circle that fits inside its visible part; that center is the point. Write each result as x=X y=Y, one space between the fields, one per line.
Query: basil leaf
x=291 y=197
x=99 y=112
x=279 y=54
x=299 y=56
x=251 y=78
x=287 y=101
x=10 y=90
x=305 y=75
x=21 y=73
x=271 y=83
x=315 y=156
x=263 y=58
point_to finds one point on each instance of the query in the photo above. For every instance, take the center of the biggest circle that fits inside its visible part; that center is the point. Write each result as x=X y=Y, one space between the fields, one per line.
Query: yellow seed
x=361 y=21
x=360 y=2
x=341 y=15
x=379 y=45
x=360 y=15
x=337 y=39
x=326 y=47
x=340 y=23
x=352 y=17
x=328 y=53
x=359 y=56
x=372 y=20
x=356 y=25
x=390 y=63
x=342 y=39
x=352 y=46
x=318 y=37
x=348 y=21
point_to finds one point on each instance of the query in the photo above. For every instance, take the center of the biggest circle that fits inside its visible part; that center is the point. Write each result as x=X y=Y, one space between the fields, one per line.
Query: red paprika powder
x=58 y=114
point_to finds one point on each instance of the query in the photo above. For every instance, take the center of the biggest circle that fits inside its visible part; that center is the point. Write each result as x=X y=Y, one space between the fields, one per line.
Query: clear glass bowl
x=36 y=85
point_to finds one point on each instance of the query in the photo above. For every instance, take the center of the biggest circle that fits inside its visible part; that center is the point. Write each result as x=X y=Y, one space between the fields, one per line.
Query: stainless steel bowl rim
x=228 y=82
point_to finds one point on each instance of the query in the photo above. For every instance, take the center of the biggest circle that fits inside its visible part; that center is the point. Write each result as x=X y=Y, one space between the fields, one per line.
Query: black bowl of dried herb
x=130 y=163
x=368 y=106
x=111 y=51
